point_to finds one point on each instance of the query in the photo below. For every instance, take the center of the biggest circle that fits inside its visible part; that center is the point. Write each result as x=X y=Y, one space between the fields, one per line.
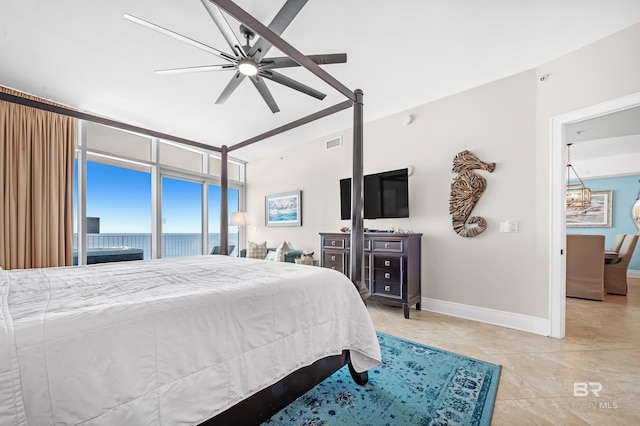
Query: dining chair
x=615 y=273
x=617 y=243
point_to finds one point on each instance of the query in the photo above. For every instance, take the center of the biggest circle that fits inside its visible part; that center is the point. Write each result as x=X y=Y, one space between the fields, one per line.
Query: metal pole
x=356 y=272
x=224 y=203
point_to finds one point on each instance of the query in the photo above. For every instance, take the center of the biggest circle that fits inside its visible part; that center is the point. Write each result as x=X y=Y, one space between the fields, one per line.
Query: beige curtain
x=36 y=186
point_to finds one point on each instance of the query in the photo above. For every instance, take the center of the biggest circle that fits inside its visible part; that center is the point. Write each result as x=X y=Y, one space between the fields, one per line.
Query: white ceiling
x=401 y=54
x=610 y=135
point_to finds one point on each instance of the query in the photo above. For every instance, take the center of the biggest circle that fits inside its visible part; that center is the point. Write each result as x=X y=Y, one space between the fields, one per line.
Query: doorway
x=557 y=265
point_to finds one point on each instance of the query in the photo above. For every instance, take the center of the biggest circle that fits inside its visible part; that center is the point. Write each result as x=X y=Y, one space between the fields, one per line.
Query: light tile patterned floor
x=602 y=346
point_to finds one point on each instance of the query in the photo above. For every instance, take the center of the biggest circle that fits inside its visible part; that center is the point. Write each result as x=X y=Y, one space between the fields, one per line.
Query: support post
x=224 y=202
x=356 y=270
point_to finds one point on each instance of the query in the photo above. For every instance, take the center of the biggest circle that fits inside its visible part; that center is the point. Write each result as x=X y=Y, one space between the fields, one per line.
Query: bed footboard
x=263 y=405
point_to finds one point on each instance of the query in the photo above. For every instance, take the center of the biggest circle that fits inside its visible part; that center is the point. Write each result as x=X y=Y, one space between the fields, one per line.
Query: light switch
x=509 y=226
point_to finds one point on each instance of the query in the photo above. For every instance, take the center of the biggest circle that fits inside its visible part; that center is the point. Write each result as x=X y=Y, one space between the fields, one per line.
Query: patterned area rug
x=415 y=385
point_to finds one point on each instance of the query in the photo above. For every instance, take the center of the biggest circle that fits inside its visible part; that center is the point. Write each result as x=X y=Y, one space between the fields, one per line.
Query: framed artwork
x=595 y=215
x=283 y=209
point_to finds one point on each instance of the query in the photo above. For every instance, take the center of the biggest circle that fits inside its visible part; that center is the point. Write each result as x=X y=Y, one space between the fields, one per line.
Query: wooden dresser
x=391 y=265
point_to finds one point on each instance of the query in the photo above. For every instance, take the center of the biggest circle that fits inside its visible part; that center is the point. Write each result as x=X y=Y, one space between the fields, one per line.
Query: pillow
x=271 y=255
x=282 y=249
x=256 y=251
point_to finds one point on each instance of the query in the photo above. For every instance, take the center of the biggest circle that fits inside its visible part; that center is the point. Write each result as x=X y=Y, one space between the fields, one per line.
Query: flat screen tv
x=386 y=195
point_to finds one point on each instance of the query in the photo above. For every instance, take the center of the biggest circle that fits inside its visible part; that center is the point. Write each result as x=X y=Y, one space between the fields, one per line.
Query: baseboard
x=633 y=273
x=490 y=316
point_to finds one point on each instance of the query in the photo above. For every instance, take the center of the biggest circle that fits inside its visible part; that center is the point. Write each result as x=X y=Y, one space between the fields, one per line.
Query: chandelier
x=578 y=195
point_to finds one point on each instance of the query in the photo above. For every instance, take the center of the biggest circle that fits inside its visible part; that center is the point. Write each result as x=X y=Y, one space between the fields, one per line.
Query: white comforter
x=166 y=342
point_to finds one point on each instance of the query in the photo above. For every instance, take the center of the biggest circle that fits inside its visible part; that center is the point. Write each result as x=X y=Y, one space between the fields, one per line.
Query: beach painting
x=283 y=209
x=594 y=215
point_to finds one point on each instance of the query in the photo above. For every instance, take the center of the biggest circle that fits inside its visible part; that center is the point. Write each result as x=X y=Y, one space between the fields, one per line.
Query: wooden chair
x=615 y=273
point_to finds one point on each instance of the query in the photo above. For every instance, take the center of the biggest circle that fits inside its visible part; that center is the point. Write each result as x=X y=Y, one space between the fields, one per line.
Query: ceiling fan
x=246 y=60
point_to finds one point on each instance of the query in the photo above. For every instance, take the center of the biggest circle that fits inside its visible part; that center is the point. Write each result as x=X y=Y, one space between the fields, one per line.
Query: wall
x=506 y=122
x=624 y=193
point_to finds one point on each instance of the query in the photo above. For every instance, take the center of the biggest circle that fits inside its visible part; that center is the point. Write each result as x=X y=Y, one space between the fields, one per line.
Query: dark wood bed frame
x=262 y=405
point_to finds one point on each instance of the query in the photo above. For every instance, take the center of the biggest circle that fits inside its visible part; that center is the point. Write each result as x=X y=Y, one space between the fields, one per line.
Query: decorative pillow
x=282 y=249
x=271 y=255
x=257 y=251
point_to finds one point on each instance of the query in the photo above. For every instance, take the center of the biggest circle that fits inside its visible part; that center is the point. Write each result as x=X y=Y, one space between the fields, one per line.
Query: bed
x=170 y=341
x=140 y=342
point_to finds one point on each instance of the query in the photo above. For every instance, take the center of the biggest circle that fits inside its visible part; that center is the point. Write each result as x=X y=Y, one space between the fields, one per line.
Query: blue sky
x=121 y=198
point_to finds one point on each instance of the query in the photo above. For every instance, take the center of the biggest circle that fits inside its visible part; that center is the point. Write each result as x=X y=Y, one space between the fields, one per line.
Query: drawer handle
x=387 y=288
x=387 y=275
x=333 y=258
x=386 y=245
x=387 y=263
x=333 y=243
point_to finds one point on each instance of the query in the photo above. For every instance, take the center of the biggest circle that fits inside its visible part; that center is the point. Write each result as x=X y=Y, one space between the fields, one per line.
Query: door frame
x=558 y=181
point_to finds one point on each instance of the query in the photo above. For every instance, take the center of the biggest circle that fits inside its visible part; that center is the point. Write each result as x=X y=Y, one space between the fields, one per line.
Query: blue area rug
x=414 y=385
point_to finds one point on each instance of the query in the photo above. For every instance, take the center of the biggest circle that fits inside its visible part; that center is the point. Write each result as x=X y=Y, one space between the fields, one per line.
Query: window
x=120 y=203
x=181 y=218
x=118 y=206
x=214 y=218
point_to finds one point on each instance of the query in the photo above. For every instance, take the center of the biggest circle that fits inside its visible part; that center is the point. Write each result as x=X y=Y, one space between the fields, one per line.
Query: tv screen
x=386 y=195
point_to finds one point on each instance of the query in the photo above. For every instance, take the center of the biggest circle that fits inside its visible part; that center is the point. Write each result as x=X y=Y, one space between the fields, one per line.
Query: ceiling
x=401 y=54
x=609 y=135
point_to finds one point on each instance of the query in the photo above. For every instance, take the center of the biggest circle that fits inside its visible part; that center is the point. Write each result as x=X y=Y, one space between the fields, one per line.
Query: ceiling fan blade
x=279 y=23
x=286 y=62
x=192 y=42
x=231 y=86
x=289 y=82
x=203 y=68
x=265 y=93
x=224 y=27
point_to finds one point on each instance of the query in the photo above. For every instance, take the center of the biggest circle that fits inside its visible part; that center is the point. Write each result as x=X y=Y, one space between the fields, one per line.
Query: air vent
x=334 y=143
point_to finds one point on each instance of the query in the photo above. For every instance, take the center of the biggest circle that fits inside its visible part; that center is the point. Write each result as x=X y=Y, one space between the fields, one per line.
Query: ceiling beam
x=241 y=15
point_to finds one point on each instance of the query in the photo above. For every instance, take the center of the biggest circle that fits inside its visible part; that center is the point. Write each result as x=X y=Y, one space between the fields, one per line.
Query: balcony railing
x=173 y=245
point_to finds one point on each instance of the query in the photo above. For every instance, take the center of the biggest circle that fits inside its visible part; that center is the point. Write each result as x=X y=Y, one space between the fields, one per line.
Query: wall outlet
x=509 y=226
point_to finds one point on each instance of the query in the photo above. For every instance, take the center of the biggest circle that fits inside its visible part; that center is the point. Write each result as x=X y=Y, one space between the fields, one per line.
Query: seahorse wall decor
x=466 y=189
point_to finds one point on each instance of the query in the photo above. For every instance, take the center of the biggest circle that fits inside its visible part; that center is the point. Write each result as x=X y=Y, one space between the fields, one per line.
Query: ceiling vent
x=334 y=143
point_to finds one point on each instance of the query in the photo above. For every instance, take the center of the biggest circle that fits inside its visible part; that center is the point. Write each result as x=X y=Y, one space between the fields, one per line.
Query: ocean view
x=173 y=245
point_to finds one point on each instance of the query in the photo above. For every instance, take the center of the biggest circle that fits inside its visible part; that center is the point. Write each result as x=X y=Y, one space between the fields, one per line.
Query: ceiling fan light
x=247 y=67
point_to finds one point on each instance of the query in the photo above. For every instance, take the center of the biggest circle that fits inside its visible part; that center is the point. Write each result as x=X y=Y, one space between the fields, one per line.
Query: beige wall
x=506 y=122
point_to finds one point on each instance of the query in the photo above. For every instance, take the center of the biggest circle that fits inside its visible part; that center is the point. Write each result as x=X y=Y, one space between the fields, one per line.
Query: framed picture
x=597 y=214
x=283 y=209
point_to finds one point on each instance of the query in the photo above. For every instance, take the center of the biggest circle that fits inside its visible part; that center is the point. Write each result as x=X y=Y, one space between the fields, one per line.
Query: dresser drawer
x=386 y=262
x=387 y=289
x=387 y=245
x=387 y=275
x=337 y=243
x=334 y=261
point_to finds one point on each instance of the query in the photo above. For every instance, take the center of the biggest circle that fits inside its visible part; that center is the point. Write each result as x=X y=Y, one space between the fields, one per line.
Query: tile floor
x=602 y=346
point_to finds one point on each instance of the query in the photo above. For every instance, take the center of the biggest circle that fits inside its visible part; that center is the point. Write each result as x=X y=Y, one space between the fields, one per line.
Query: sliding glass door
x=181 y=217
x=214 y=218
x=118 y=211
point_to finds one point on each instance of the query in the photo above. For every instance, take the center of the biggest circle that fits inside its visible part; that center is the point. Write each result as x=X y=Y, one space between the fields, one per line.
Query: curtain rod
x=101 y=120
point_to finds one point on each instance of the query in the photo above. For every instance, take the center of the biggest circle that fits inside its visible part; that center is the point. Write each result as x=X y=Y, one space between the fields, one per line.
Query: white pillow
x=282 y=249
x=271 y=255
